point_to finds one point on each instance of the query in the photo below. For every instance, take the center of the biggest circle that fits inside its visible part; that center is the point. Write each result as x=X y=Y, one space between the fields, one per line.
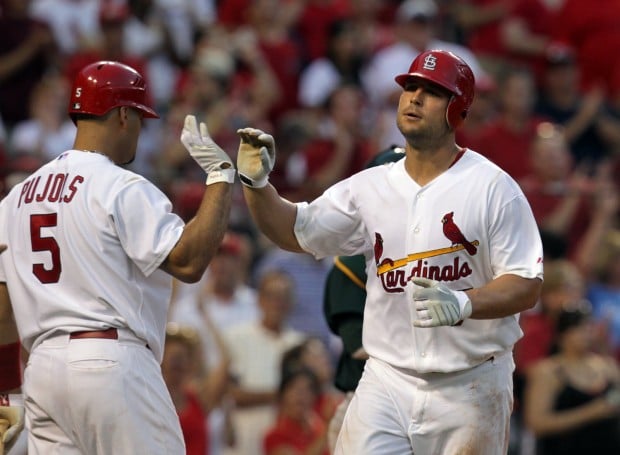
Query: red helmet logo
x=450 y=72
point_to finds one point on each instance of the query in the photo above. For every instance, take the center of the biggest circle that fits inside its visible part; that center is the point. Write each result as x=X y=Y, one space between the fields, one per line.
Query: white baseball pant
x=98 y=396
x=396 y=412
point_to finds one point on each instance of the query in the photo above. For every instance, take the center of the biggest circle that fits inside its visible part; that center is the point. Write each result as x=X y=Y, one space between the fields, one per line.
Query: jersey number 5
x=39 y=243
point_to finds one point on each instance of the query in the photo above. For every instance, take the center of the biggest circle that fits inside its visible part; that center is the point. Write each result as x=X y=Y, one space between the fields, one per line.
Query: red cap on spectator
x=231 y=244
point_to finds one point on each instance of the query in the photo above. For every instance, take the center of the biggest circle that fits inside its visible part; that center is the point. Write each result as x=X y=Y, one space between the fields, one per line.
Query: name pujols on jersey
x=394 y=277
x=57 y=187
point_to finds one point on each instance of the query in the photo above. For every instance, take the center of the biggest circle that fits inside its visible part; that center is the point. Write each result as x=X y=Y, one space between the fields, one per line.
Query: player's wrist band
x=221 y=175
x=10 y=366
x=465 y=308
x=11 y=399
x=247 y=181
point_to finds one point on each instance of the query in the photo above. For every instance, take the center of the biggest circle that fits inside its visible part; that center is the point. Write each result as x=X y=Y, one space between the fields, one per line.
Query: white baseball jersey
x=86 y=238
x=468 y=226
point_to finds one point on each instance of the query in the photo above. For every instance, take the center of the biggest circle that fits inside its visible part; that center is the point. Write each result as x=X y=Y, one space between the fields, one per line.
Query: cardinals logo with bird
x=454 y=234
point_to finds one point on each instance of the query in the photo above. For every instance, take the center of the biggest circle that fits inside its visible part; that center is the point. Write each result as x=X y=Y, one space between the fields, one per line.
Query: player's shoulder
x=488 y=176
x=380 y=170
x=483 y=166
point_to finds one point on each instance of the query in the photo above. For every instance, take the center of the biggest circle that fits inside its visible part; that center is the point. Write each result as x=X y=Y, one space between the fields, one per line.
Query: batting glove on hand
x=256 y=157
x=11 y=410
x=215 y=162
x=437 y=305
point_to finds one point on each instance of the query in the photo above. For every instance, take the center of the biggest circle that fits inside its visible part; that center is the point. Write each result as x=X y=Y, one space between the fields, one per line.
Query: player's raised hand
x=210 y=156
x=437 y=305
x=256 y=157
x=11 y=411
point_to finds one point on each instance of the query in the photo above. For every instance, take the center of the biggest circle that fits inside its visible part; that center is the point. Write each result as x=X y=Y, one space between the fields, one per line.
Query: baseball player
x=93 y=249
x=452 y=255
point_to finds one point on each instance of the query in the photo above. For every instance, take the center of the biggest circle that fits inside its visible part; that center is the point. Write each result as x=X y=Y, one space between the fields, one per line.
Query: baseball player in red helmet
x=441 y=315
x=92 y=251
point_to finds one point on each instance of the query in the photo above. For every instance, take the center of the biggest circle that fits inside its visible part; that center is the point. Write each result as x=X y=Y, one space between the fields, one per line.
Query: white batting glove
x=11 y=409
x=256 y=157
x=437 y=305
x=210 y=156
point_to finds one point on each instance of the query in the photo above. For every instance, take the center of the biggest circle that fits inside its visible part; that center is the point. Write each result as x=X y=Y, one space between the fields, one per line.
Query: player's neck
x=425 y=166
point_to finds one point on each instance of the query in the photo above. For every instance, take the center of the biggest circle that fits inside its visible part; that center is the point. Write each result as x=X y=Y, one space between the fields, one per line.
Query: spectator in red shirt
x=194 y=391
x=527 y=33
x=594 y=33
x=506 y=141
x=482 y=112
x=480 y=22
x=341 y=145
x=298 y=429
x=314 y=355
x=567 y=201
x=272 y=25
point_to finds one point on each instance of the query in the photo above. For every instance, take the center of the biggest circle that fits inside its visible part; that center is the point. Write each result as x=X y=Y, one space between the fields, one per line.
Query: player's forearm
x=560 y=422
x=202 y=235
x=504 y=296
x=274 y=216
x=246 y=398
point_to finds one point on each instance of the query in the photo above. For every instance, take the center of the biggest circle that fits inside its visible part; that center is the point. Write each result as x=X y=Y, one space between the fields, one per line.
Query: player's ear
x=123 y=116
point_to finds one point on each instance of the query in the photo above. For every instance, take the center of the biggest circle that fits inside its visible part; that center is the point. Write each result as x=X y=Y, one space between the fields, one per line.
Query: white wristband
x=464 y=304
x=221 y=175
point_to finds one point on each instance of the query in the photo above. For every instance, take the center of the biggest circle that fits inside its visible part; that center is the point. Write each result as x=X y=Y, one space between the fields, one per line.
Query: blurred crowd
x=249 y=358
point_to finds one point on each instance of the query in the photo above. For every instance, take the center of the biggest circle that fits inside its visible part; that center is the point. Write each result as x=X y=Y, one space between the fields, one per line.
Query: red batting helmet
x=450 y=72
x=102 y=86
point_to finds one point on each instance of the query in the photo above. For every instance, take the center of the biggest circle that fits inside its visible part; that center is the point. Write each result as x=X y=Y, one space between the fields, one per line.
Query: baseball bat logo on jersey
x=394 y=278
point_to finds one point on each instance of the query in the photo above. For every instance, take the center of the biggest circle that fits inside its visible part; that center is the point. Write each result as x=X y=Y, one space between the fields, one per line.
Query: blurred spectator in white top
x=222 y=293
x=308 y=275
x=256 y=351
x=227 y=301
x=148 y=36
x=49 y=131
x=74 y=23
x=342 y=64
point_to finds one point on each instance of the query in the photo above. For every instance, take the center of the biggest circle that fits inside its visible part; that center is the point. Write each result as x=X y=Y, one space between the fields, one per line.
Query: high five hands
x=256 y=157
x=210 y=156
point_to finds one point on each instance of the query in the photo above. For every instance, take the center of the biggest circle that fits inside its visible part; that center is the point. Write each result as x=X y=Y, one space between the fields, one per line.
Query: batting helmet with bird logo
x=450 y=72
